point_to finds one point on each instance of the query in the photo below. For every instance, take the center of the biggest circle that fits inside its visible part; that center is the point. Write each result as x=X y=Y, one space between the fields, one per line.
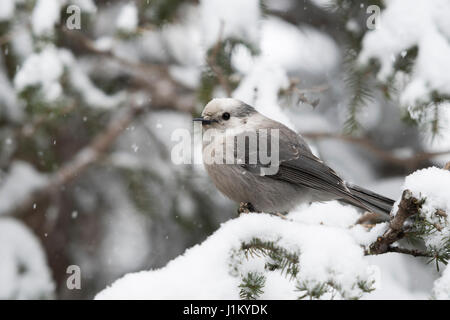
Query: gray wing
x=309 y=171
x=297 y=165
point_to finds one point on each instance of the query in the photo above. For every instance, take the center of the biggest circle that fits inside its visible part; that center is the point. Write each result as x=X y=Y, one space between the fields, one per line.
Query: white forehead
x=221 y=104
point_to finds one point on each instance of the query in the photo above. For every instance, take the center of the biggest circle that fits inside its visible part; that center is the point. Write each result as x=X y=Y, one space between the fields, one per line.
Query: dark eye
x=225 y=116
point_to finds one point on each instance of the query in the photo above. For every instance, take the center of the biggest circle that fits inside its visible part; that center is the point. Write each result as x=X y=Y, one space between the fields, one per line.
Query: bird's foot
x=246 y=207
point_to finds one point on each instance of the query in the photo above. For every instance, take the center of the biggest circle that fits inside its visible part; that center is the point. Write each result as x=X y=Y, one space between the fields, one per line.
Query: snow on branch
x=422 y=214
x=316 y=252
x=166 y=93
x=413 y=161
x=259 y=256
x=408 y=207
x=24 y=273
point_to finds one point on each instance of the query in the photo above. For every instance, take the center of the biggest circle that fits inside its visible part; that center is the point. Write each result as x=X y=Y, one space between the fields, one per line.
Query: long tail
x=377 y=203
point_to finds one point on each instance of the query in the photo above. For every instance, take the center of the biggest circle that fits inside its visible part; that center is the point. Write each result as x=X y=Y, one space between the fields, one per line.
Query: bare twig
x=441 y=213
x=412 y=252
x=300 y=93
x=411 y=162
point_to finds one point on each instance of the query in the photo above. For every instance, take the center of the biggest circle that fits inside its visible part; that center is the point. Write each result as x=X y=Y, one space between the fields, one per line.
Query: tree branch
x=408 y=207
x=411 y=162
x=300 y=93
x=412 y=252
x=166 y=93
x=82 y=160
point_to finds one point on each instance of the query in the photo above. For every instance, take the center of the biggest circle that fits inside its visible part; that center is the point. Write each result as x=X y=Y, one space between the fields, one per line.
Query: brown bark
x=408 y=207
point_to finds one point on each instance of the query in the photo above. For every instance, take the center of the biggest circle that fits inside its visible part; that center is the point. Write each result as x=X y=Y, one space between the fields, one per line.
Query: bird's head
x=226 y=113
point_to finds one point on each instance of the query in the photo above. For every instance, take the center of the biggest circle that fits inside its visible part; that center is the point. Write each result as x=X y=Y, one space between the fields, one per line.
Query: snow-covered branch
x=421 y=214
x=408 y=207
x=166 y=93
x=318 y=252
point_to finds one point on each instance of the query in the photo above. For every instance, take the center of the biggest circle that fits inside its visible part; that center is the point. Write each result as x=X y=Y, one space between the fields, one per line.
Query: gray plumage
x=301 y=176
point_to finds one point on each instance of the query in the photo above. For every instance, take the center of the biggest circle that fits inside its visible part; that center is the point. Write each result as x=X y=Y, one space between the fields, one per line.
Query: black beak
x=203 y=120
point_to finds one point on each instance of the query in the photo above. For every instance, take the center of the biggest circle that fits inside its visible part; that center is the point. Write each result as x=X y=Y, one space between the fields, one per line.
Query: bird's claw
x=246 y=207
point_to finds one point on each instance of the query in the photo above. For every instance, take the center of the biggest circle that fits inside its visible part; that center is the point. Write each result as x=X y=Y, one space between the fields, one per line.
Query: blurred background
x=91 y=92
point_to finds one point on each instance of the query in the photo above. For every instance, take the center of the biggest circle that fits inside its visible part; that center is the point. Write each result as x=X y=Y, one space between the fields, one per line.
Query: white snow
x=440 y=142
x=46 y=14
x=441 y=289
x=297 y=48
x=432 y=185
x=326 y=254
x=127 y=21
x=92 y=95
x=8 y=98
x=425 y=26
x=329 y=245
x=183 y=40
x=86 y=6
x=322 y=3
x=7 y=8
x=330 y=213
x=260 y=88
x=104 y=43
x=22 y=42
x=126 y=243
x=21 y=180
x=235 y=18
x=24 y=273
x=44 y=69
x=325 y=236
x=402 y=277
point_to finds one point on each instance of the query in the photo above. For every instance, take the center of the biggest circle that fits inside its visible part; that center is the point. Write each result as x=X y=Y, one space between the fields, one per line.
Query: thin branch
x=411 y=162
x=300 y=93
x=412 y=252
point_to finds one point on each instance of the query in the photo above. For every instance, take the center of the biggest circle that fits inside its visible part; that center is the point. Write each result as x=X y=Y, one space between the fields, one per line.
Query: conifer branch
x=280 y=258
x=87 y=156
x=252 y=286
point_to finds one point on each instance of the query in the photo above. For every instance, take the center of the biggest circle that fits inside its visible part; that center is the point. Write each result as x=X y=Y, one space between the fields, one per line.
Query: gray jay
x=300 y=176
